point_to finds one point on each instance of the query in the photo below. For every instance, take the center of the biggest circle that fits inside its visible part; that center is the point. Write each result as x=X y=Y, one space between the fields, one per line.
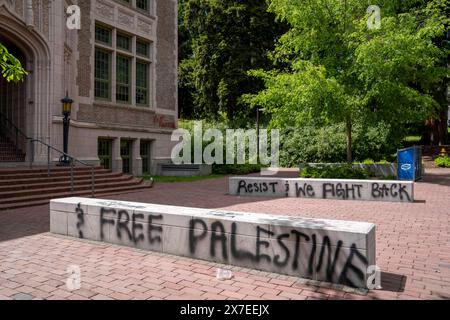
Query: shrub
x=443 y=161
x=343 y=171
x=328 y=144
x=377 y=142
x=370 y=161
x=312 y=144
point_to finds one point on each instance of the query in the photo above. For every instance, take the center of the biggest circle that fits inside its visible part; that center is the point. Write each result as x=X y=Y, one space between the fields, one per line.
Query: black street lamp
x=67 y=108
x=258 y=110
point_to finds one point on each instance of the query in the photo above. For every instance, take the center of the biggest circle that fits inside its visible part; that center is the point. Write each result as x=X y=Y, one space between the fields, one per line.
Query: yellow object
x=443 y=153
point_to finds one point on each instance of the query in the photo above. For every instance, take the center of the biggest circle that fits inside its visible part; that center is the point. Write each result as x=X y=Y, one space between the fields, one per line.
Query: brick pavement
x=413 y=251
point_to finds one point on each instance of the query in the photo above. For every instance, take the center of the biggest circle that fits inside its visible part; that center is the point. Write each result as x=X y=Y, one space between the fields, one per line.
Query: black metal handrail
x=16 y=132
x=72 y=160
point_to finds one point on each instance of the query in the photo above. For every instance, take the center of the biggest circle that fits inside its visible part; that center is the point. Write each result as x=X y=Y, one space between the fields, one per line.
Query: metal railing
x=72 y=160
x=21 y=140
x=9 y=129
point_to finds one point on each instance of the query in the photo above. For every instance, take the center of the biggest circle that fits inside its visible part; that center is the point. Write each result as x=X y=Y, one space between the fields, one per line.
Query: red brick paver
x=413 y=251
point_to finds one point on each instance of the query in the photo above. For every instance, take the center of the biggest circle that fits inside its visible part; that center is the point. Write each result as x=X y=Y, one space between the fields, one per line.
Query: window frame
x=103 y=143
x=127 y=159
x=111 y=36
x=147 y=10
x=148 y=48
x=146 y=156
x=115 y=52
x=109 y=80
x=124 y=35
x=129 y=84
x=147 y=88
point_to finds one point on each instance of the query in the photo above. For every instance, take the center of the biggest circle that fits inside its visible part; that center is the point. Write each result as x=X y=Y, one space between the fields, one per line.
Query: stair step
x=5 y=197
x=11 y=185
x=44 y=169
x=13 y=157
x=58 y=193
x=52 y=179
x=43 y=174
x=25 y=202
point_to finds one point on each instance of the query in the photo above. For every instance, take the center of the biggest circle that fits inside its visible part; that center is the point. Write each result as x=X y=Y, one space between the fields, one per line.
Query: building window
x=123 y=79
x=105 y=153
x=125 y=153
x=123 y=67
x=123 y=42
x=103 y=35
x=142 y=4
x=145 y=156
x=102 y=74
x=141 y=83
x=142 y=48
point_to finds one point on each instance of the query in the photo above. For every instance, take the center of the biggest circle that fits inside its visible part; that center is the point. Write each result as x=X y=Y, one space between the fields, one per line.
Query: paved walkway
x=413 y=251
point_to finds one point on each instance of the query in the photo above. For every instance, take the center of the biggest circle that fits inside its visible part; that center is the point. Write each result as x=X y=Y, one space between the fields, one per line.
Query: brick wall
x=84 y=48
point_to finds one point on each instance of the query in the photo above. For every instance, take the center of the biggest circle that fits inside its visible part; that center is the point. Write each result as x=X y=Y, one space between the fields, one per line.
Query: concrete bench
x=185 y=170
x=339 y=189
x=324 y=250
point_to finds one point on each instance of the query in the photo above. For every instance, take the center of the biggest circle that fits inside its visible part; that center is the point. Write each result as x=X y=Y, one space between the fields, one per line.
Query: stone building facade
x=120 y=68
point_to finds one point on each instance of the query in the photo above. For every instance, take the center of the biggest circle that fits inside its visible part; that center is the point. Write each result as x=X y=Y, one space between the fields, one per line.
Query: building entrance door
x=126 y=147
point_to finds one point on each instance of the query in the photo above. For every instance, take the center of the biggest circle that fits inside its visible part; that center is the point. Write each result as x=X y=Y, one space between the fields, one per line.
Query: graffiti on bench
x=325 y=189
x=282 y=250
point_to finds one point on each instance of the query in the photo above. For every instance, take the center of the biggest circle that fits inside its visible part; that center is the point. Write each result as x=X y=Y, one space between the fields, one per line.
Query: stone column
x=116 y=158
x=136 y=158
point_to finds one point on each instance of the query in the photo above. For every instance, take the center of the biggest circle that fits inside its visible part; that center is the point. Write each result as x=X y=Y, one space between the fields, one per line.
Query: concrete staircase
x=9 y=152
x=23 y=187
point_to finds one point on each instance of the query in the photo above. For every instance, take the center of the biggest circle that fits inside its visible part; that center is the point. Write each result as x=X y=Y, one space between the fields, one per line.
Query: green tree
x=341 y=71
x=220 y=41
x=11 y=67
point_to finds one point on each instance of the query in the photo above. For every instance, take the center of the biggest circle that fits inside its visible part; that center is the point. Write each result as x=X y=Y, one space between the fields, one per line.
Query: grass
x=164 y=179
x=413 y=138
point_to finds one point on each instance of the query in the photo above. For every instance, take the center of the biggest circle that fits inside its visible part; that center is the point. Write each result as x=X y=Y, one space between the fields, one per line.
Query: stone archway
x=13 y=95
x=32 y=114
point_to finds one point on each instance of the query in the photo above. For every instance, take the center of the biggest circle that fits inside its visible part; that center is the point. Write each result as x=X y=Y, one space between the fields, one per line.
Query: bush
x=329 y=144
x=343 y=171
x=238 y=169
x=378 y=143
x=312 y=144
x=443 y=161
x=370 y=161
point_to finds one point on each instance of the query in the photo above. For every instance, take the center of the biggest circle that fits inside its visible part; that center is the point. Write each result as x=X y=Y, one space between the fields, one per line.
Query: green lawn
x=412 y=138
x=163 y=179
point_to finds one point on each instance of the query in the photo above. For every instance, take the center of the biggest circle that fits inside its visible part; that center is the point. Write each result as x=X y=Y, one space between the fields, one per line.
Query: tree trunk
x=349 y=141
x=436 y=133
x=436 y=129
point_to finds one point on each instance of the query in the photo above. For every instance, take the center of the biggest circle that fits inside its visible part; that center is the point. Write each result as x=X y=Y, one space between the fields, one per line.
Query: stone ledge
x=317 y=249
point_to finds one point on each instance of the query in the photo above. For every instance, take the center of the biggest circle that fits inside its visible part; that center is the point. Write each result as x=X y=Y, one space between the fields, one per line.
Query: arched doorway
x=13 y=95
x=13 y=112
x=26 y=105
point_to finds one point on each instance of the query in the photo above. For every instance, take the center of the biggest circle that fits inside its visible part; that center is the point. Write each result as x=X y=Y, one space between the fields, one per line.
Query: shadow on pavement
x=24 y=222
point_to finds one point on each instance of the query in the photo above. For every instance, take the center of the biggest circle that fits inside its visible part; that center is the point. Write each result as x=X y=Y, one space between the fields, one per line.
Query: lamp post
x=258 y=110
x=67 y=108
